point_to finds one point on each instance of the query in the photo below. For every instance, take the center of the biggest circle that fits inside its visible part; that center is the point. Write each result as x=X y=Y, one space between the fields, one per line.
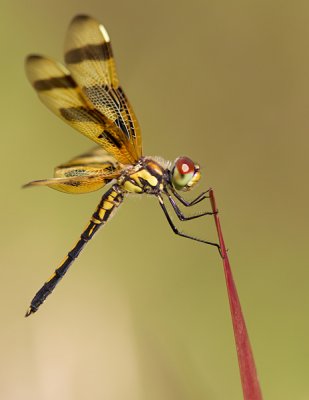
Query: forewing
x=61 y=94
x=89 y=57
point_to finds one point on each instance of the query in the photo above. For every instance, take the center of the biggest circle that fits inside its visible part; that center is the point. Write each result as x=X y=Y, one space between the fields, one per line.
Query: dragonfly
x=86 y=94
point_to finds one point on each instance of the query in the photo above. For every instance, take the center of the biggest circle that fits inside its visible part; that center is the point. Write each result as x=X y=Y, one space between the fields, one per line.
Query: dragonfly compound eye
x=185 y=173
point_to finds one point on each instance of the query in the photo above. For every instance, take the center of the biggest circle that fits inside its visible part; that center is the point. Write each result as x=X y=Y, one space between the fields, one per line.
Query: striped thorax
x=147 y=176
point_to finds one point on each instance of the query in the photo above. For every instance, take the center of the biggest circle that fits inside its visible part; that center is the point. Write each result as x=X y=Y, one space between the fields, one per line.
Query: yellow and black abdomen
x=110 y=201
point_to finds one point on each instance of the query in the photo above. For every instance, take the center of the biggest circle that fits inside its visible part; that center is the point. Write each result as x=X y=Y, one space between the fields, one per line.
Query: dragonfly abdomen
x=112 y=199
x=108 y=204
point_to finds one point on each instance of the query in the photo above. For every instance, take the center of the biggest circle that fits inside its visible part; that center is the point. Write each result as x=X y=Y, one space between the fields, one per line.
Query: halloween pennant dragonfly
x=86 y=94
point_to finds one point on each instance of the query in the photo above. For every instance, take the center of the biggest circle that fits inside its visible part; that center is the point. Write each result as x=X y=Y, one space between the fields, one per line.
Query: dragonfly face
x=86 y=94
x=185 y=174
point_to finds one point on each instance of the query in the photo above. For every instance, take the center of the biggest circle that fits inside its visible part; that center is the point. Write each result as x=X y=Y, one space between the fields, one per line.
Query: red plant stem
x=249 y=379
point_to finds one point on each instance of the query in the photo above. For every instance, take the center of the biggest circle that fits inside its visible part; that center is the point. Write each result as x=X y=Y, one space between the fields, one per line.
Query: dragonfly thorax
x=147 y=176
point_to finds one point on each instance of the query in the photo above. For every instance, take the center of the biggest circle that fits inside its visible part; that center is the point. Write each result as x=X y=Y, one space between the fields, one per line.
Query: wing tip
x=80 y=19
x=34 y=183
x=31 y=58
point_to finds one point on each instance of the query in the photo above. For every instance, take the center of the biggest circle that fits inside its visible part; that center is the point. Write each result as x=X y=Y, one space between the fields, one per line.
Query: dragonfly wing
x=96 y=157
x=77 y=180
x=60 y=93
x=89 y=57
x=83 y=174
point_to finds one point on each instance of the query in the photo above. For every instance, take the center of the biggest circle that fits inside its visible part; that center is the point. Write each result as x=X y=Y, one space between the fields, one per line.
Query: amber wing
x=89 y=57
x=85 y=173
x=88 y=96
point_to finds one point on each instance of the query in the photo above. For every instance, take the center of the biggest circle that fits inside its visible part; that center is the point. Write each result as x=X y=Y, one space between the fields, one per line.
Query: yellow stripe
x=113 y=195
x=108 y=205
x=101 y=213
x=52 y=276
x=130 y=187
x=151 y=179
x=95 y=221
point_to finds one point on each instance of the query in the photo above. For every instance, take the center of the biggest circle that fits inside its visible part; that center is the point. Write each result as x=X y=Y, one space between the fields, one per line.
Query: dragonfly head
x=184 y=174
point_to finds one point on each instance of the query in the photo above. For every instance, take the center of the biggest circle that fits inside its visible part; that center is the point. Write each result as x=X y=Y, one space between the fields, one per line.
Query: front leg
x=178 y=212
x=186 y=203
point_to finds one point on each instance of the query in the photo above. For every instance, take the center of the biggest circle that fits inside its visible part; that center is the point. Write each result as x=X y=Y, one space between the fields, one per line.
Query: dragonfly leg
x=109 y=202
x=177 y=232
x=180 y=215
x=200 y=197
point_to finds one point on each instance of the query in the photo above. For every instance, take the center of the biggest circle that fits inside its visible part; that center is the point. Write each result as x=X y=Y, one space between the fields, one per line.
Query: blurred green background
x=144 y=314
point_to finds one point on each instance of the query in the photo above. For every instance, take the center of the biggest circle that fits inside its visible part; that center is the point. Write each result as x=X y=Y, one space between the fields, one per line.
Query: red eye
x=184 y=165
